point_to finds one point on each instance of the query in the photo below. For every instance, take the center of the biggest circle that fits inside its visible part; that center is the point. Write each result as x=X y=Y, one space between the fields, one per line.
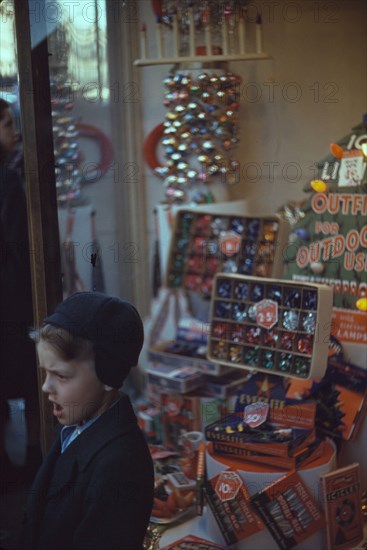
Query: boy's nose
x=47 y=386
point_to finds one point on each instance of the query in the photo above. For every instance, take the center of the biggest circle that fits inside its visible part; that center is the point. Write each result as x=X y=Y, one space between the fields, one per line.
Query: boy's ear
x=107 y=388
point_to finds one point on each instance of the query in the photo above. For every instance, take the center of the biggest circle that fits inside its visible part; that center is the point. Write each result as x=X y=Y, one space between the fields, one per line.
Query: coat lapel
x=37 y=495
x=118 y=420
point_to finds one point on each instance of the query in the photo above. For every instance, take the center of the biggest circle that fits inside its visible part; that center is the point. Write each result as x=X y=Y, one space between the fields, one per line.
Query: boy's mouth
x=57 y=410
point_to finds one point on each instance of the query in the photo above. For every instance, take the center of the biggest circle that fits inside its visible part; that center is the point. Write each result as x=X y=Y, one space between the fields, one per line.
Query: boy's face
x=72 y=387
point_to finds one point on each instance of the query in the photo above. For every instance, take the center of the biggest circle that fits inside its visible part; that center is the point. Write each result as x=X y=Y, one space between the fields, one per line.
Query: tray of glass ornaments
x=203 y=244
x=270 y=325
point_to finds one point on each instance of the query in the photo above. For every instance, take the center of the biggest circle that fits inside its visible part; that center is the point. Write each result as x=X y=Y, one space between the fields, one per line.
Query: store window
x=85 y=168
x=89 y=208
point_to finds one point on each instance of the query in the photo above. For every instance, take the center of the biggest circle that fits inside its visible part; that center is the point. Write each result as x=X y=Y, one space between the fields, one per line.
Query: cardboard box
x=224 y=386
x=181 y=380
x=266 y=439
x=288 y=510
x=180 y=414
x=342 y=499
x=305 y=456
x=229 y=502
x=203 y=244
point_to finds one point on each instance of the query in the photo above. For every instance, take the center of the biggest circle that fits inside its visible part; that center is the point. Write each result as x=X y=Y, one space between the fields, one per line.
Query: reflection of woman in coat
x=17 y=358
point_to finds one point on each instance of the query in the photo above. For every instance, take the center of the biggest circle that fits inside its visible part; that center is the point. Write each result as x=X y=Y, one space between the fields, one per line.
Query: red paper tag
x=255 y=414
x=267 y=313
x=229 y=243
x=174 y=404
x=228 y=485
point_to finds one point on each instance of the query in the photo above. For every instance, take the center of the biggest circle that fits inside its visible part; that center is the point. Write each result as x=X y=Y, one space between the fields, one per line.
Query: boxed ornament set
x=204 y=244
x=289 y=510
x=271 y=325
x=342 y=500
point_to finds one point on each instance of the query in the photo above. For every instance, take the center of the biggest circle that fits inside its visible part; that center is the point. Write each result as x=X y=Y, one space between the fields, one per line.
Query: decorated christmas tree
x=329 y=240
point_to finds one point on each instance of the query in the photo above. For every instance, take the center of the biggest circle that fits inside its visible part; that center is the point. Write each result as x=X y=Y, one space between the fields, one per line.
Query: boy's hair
x=111 y=327
x=64 y=344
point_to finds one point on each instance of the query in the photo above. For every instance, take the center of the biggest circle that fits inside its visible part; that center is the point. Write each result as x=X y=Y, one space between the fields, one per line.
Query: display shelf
x=144 y=62
x=208 y=36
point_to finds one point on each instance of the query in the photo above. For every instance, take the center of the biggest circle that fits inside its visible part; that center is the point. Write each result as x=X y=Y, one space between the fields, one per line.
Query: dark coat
x=18 y=373
x=98 y=494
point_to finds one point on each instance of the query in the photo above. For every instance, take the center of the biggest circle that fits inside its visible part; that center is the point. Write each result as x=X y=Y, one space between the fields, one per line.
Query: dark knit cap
x=114 y=327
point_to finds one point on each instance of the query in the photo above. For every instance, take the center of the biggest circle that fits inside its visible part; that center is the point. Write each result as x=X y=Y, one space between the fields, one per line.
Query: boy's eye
x=61 y=377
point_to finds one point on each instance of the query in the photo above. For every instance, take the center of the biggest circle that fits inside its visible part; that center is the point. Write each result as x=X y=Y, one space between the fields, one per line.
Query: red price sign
x=229 y=243
x=267 y=313
x=228 y=485
x=255 y=414
x=174 y=404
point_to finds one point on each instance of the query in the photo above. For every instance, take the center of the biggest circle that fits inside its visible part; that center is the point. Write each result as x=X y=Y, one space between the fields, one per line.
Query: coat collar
x=117 y=420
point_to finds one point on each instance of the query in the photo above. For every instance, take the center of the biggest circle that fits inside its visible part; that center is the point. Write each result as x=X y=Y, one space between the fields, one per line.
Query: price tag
x=255 y=414
x=267 y=313
x=228 y=485
x=229 y=243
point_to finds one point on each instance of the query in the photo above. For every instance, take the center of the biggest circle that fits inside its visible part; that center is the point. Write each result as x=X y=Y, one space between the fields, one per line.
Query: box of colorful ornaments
x=204 y=244
x=271 y=325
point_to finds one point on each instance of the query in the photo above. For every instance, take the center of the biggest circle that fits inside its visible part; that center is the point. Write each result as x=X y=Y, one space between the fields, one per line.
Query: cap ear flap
x=109 y=369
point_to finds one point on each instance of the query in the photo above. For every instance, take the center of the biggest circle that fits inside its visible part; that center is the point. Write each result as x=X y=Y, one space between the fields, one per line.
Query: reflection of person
x=17 y=357
x=95 y=488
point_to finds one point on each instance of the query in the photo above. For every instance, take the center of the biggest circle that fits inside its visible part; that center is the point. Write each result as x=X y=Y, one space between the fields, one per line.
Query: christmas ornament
x=319 y=186
x=268 y=359
x=224 y=289
x=285 y=362
x=222 y=309
x=293 y=299
x=66 y=145
x=336 y=150
x=302 y=233
x=290 y=320
x=241 y=291
x=361 y=304
x=287 y=340
x=308 y=322
x=239 y=312
x=200 y=130
x=317 y=267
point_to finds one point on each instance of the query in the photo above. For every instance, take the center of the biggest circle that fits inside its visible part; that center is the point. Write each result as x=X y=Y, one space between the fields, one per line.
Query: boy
x=95 y=489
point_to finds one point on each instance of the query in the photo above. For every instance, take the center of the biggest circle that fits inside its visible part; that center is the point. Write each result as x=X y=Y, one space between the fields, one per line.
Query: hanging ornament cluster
x=200 y=130
x=66 y=146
